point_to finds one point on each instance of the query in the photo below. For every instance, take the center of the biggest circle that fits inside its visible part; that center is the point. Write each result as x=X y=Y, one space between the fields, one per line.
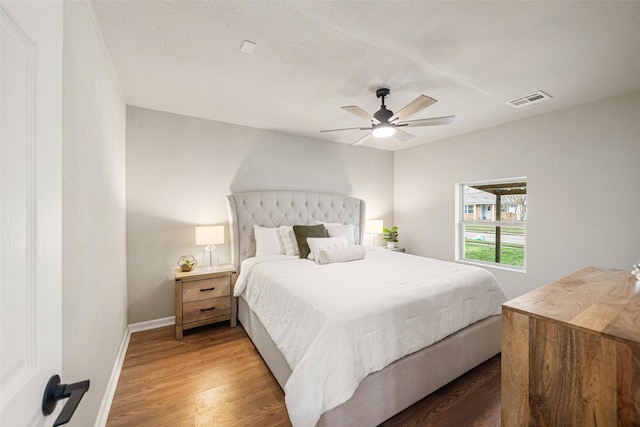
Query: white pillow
x=289 y=240
x=347 y=230
x=318 y=243
x=268 y=241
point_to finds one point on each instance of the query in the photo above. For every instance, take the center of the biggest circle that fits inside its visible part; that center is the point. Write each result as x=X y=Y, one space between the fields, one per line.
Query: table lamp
x=210 y=236
x=373 y=227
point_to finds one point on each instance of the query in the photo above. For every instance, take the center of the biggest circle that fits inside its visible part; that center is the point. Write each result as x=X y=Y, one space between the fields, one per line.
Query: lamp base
x=211 y=249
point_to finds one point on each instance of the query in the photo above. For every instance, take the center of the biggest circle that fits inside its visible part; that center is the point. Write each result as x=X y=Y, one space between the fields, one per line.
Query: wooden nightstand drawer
x=205 y=289
x=206 y=309
x=204 y=296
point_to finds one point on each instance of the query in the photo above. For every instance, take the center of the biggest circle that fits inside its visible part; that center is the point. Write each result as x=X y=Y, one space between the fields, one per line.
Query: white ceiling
x=313 y=57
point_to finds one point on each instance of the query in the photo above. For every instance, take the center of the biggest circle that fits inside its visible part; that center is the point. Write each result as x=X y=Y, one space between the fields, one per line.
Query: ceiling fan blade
x=361 y=113
x=336 y=130
x=361 y=140
x=402 y=135
x=434 y=121
x=420 y=103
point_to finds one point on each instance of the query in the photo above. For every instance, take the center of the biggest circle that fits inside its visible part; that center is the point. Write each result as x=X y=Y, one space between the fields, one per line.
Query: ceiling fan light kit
x=383 y=131
x=384 y=123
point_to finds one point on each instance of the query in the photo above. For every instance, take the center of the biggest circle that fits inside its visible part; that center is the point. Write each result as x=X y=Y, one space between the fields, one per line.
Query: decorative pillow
x=318 y=243
x=268 y=241
x=303 y=232
x=346 y=230
x=289 y=240
x=344 y=254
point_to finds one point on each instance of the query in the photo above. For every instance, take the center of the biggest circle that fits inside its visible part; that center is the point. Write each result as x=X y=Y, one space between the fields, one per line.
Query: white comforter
x=337 y=323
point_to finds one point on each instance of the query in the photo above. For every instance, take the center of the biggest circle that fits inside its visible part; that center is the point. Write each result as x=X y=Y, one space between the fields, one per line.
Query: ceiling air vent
x=532 y=98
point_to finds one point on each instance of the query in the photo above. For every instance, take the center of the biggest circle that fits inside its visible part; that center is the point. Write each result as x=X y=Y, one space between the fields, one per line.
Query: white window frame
x=461 y=222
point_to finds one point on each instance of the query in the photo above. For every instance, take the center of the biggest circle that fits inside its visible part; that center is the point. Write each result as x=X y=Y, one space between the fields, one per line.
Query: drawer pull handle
x=207 y=309
x=207 y=289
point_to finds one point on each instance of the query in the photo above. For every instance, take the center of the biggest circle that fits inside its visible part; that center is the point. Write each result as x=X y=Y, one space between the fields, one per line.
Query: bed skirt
x=385 y=393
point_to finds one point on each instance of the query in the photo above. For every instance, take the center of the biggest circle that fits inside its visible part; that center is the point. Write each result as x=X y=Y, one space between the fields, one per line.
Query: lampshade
x=373 y=226
x=210 y=235
x=383 y=130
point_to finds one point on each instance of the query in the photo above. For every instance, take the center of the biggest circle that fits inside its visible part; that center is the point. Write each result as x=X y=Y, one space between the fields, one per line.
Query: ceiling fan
x=384 y=123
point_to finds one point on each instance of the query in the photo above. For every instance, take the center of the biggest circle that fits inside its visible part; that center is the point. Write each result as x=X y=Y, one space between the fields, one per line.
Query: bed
x=384 y=391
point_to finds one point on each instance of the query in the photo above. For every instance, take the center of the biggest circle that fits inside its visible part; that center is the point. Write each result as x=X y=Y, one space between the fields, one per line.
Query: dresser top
x=605 y=302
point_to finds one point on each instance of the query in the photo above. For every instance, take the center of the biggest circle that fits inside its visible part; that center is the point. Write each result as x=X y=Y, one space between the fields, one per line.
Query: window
x=495 y=233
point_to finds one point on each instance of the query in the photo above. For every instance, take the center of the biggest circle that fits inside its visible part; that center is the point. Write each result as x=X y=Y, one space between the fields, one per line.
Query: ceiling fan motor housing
x=383 y=115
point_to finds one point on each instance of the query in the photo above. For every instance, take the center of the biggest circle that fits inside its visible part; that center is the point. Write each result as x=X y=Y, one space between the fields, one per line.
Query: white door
x=30 y=207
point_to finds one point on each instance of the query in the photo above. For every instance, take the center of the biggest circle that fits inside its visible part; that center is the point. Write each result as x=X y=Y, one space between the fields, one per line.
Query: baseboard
x=152 y=324
x=107 y=400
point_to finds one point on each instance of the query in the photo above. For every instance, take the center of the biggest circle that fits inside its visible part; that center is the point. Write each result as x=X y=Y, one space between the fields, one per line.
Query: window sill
x=493 y=265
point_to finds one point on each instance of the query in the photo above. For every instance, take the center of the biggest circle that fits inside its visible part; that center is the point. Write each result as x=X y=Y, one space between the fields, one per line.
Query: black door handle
x=56 y=391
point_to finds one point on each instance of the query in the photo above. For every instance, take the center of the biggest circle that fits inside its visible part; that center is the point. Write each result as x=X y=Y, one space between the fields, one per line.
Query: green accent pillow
x=302 y=232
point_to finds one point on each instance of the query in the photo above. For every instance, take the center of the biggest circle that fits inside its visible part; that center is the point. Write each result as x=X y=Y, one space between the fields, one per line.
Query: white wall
x=179 y=170
x=583 y=175
x=93 y=213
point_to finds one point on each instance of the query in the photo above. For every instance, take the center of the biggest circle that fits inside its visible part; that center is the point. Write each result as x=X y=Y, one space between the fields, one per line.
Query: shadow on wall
x=156 y=302
x=293 y=165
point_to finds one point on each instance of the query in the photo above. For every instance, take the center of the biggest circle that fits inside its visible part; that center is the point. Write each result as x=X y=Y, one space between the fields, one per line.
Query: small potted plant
x=187 y=263
x=390 y=236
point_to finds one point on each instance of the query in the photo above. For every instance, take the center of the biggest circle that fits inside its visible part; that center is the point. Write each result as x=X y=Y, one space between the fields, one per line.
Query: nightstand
x=204 y=296
x=394 y=249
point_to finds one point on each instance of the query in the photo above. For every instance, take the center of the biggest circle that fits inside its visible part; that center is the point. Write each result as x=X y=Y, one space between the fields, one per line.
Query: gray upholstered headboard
x=279 y=207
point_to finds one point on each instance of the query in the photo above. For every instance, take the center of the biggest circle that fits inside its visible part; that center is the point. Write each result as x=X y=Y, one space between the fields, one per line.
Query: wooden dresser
x=204 y=296
x=571 y=352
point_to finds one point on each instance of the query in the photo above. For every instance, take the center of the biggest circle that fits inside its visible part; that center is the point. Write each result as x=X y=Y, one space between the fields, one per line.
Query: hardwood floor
x=215 y=377
x=471 y=400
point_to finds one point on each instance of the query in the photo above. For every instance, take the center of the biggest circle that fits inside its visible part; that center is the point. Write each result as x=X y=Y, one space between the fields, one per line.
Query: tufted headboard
x=280 y=207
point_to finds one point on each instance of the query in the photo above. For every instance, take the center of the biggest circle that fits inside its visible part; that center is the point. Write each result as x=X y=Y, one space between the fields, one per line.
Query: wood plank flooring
x=215 y=377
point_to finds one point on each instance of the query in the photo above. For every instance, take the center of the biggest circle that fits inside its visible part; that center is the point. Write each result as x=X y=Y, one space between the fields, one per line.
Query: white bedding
x=337 y=323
